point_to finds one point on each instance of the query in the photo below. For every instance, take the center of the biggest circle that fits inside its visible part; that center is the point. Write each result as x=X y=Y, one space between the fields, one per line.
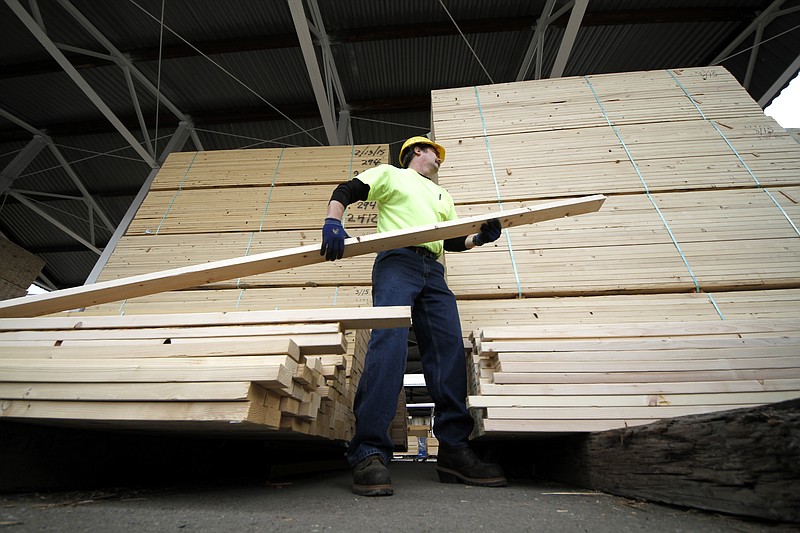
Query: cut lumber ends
x=741 y=462
x=595 y=377
x=182 y=278
x=266 y=373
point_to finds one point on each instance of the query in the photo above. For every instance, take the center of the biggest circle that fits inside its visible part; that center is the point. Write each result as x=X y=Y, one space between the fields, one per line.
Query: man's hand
x=490 y=232
x=333 y=236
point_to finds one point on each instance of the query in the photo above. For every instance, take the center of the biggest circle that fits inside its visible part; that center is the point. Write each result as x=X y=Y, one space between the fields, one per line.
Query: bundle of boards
x=250 y=372
x=700 y=228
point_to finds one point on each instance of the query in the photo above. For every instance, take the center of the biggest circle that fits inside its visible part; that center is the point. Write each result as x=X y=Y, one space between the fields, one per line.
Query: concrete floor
x=324 y=502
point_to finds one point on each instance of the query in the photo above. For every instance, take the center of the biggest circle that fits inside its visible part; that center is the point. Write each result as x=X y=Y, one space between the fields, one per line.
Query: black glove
x=490 y=232
x=333 y=236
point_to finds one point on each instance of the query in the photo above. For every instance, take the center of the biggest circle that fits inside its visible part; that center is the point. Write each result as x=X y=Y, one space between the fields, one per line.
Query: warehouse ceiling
x=93 y=95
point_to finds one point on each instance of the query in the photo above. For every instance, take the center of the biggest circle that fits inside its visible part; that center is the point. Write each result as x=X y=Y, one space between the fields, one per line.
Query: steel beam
x=568 y=41
x=765 y=16
x=538 y=36
x=138 y=109
x=120 y=58
x=327 y=54
x=20 y=162
x=790 y=72
x=45 y=215
x=344 y=133
x=50 y=46
x=87 y=198
x=312 y=65
x=751 y=63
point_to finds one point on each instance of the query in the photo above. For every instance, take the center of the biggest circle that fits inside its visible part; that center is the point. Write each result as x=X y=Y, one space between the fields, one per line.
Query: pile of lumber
x=266 y=372
x=700 y=224
x=596 y=377
x=702 y=187
x=210 y=206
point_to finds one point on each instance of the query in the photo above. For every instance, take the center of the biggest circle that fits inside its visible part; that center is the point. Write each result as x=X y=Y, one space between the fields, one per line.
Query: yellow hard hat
x=421 y=140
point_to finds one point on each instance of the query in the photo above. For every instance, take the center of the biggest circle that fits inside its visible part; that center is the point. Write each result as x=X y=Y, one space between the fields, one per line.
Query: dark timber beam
x=744 y=461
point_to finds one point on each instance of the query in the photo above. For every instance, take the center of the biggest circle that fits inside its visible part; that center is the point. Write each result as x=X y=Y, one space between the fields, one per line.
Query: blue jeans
x=402 y=277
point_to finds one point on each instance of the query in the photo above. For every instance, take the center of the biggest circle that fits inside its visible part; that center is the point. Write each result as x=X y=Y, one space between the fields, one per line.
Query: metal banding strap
x=716 y=307
x=180 y=188
x=741 y=160
x=350 y=176
x=644 y=183
x=497 y=191
x=169 y=207
x=261 y=225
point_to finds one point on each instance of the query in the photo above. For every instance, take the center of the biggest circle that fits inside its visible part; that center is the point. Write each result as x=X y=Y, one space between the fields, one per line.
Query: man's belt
x=424 y=252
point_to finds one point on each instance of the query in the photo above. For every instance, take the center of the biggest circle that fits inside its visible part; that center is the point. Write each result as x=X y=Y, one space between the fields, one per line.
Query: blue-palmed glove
x=490 y=232
x=333 y=236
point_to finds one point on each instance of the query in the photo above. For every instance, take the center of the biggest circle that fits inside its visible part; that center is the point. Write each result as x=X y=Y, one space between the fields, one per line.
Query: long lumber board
x=348 y=318
x=184 y=278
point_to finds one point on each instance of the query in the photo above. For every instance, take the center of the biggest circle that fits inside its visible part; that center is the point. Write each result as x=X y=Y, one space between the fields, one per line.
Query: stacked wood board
x=597 y=377
x=700 y=224
x=208 y=206
x=276 y=373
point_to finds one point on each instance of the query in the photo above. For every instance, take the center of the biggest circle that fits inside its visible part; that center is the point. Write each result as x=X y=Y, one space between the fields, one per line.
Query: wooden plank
x=666 y=344
x=653 y=388
x=201 y=391
x=517 y=427
x=111 y=351
x=128 y=411
x=651 y=355
x=183 y=278
x=645 y=377
x=632 y=400
x=270 y=370
x=348 y=318
x=605 y=367
x=641 y=329
x=165 y=333
x=600 y=413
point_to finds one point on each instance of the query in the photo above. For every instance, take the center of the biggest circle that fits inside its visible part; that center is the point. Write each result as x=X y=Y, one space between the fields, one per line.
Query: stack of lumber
x=251 y=372
x=700 y=224
x=20 y=269
x=596 y=377
x=208 y=206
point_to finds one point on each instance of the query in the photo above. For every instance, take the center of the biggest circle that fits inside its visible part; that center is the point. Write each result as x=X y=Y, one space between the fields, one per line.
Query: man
x=406 y=197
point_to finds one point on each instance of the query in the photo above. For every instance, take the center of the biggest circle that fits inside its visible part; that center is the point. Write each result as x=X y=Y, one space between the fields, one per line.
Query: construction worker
x=407 y=197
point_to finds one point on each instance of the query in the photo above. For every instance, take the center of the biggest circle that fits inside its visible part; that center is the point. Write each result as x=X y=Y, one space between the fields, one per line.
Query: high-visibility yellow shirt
x=406 y=199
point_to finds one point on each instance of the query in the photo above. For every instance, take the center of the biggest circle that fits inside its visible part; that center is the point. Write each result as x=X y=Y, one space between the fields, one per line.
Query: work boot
x=462 y=465
x=371 y=477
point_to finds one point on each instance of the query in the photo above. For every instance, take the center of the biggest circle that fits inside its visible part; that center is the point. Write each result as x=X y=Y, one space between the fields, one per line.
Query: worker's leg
x=438 y=332
x=396 y=280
